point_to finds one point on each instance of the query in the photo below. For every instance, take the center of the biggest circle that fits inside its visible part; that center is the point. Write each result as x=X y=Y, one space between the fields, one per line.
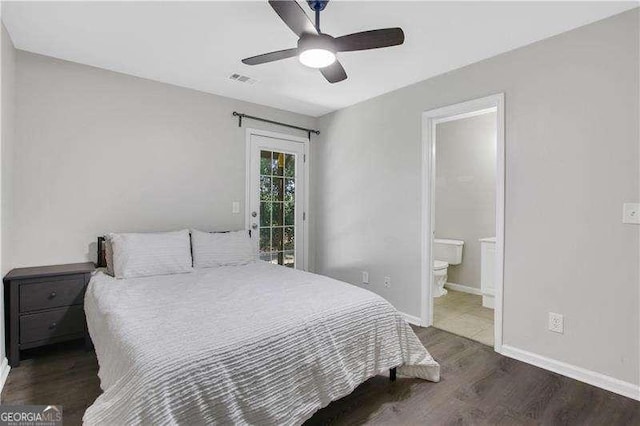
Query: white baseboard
x=463 y=288
x=4 y=373
x=412 y=319
x=582 y=374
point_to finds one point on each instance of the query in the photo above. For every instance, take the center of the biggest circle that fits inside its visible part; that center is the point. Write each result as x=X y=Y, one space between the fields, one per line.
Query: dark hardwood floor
x=478 y=386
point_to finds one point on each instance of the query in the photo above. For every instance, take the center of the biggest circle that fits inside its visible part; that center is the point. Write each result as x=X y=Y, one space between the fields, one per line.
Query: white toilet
x=445 y=253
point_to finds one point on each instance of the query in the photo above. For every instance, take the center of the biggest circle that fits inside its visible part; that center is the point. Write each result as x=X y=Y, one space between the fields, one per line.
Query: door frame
x=429 y=121
x=305 y=162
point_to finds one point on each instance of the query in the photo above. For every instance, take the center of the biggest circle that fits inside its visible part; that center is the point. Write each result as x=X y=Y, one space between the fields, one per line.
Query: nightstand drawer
x=52 y=293
x=55 y=323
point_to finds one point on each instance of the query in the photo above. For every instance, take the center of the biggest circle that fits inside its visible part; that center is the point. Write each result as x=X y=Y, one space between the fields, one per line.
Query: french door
x=276 y=199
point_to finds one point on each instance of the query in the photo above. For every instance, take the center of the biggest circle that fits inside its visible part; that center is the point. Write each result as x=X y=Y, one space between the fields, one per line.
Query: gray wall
x=97 y=151
x=572 y=155
x=8 y=136
x=465 y=200
x=7 y=95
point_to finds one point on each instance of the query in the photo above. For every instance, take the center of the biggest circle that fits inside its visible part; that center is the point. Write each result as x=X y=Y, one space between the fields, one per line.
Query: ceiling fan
x=318 y=50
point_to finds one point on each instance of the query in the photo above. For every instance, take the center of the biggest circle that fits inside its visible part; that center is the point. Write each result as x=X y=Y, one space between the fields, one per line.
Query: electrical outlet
x=556 y=323
x=387 y=282
x=235 y=207
x=631 y=213
x=365 y=277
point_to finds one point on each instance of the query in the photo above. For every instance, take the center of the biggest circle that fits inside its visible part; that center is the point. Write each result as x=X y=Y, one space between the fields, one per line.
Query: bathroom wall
x=466 y=189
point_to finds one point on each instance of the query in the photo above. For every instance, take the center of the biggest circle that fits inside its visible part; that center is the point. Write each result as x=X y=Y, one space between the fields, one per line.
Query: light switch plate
x=631 y=213
x=365 y=277
x=235 y=207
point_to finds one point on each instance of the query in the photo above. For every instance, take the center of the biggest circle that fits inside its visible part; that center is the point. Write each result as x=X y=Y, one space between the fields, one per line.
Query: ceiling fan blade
x=334 y=72
x=293 y=15
x=271 y=56
x=373 y=39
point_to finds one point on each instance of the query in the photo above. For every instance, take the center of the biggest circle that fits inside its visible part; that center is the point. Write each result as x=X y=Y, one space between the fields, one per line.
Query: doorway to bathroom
x=463 y=219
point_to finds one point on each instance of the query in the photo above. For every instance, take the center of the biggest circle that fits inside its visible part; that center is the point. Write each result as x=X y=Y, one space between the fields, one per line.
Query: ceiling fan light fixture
x=317 y=58
x=316 y=50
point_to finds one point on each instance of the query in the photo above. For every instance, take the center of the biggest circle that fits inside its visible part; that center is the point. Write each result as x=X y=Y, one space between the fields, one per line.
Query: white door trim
x=247 y=201
x=429 y=121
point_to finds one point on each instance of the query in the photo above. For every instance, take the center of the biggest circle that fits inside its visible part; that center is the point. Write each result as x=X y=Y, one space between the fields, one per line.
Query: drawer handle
x=52 y=295
x=52 y=325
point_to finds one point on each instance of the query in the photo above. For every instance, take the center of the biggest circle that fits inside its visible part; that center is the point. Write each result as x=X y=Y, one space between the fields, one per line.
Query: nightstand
x=45 y=305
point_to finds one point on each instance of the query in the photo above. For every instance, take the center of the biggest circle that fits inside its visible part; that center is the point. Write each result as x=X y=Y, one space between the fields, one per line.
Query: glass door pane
x=277 y=207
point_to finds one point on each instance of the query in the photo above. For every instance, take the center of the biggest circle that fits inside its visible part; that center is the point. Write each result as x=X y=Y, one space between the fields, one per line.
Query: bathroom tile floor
x=463 y=314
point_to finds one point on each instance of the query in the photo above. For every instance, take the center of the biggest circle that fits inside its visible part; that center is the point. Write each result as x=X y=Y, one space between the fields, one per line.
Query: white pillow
x=145 y=254
x=212 y=249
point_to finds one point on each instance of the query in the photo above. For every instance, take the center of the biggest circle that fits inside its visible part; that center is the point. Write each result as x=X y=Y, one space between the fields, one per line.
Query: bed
x=250 y=344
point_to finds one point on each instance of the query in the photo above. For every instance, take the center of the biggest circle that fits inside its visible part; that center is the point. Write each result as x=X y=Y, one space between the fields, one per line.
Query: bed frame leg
x=392 y=374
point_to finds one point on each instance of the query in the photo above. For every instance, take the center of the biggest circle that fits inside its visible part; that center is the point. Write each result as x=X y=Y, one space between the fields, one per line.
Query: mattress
x=251 y=344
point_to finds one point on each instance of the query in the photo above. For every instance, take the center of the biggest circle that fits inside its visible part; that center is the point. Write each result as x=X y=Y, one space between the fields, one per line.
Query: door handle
x=254 y=226
x=254 y=214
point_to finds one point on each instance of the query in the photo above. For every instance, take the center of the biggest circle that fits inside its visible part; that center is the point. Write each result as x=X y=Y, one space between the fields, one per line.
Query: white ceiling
x=199 y=44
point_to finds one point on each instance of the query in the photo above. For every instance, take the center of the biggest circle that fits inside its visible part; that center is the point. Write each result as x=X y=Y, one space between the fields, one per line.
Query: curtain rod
x=264 y=120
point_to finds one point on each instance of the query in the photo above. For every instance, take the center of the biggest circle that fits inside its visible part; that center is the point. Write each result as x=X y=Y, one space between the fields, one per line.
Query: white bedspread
x=252 y=344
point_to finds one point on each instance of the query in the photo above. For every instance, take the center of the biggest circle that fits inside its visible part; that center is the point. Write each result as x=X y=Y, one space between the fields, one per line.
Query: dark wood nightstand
x=45 y=305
